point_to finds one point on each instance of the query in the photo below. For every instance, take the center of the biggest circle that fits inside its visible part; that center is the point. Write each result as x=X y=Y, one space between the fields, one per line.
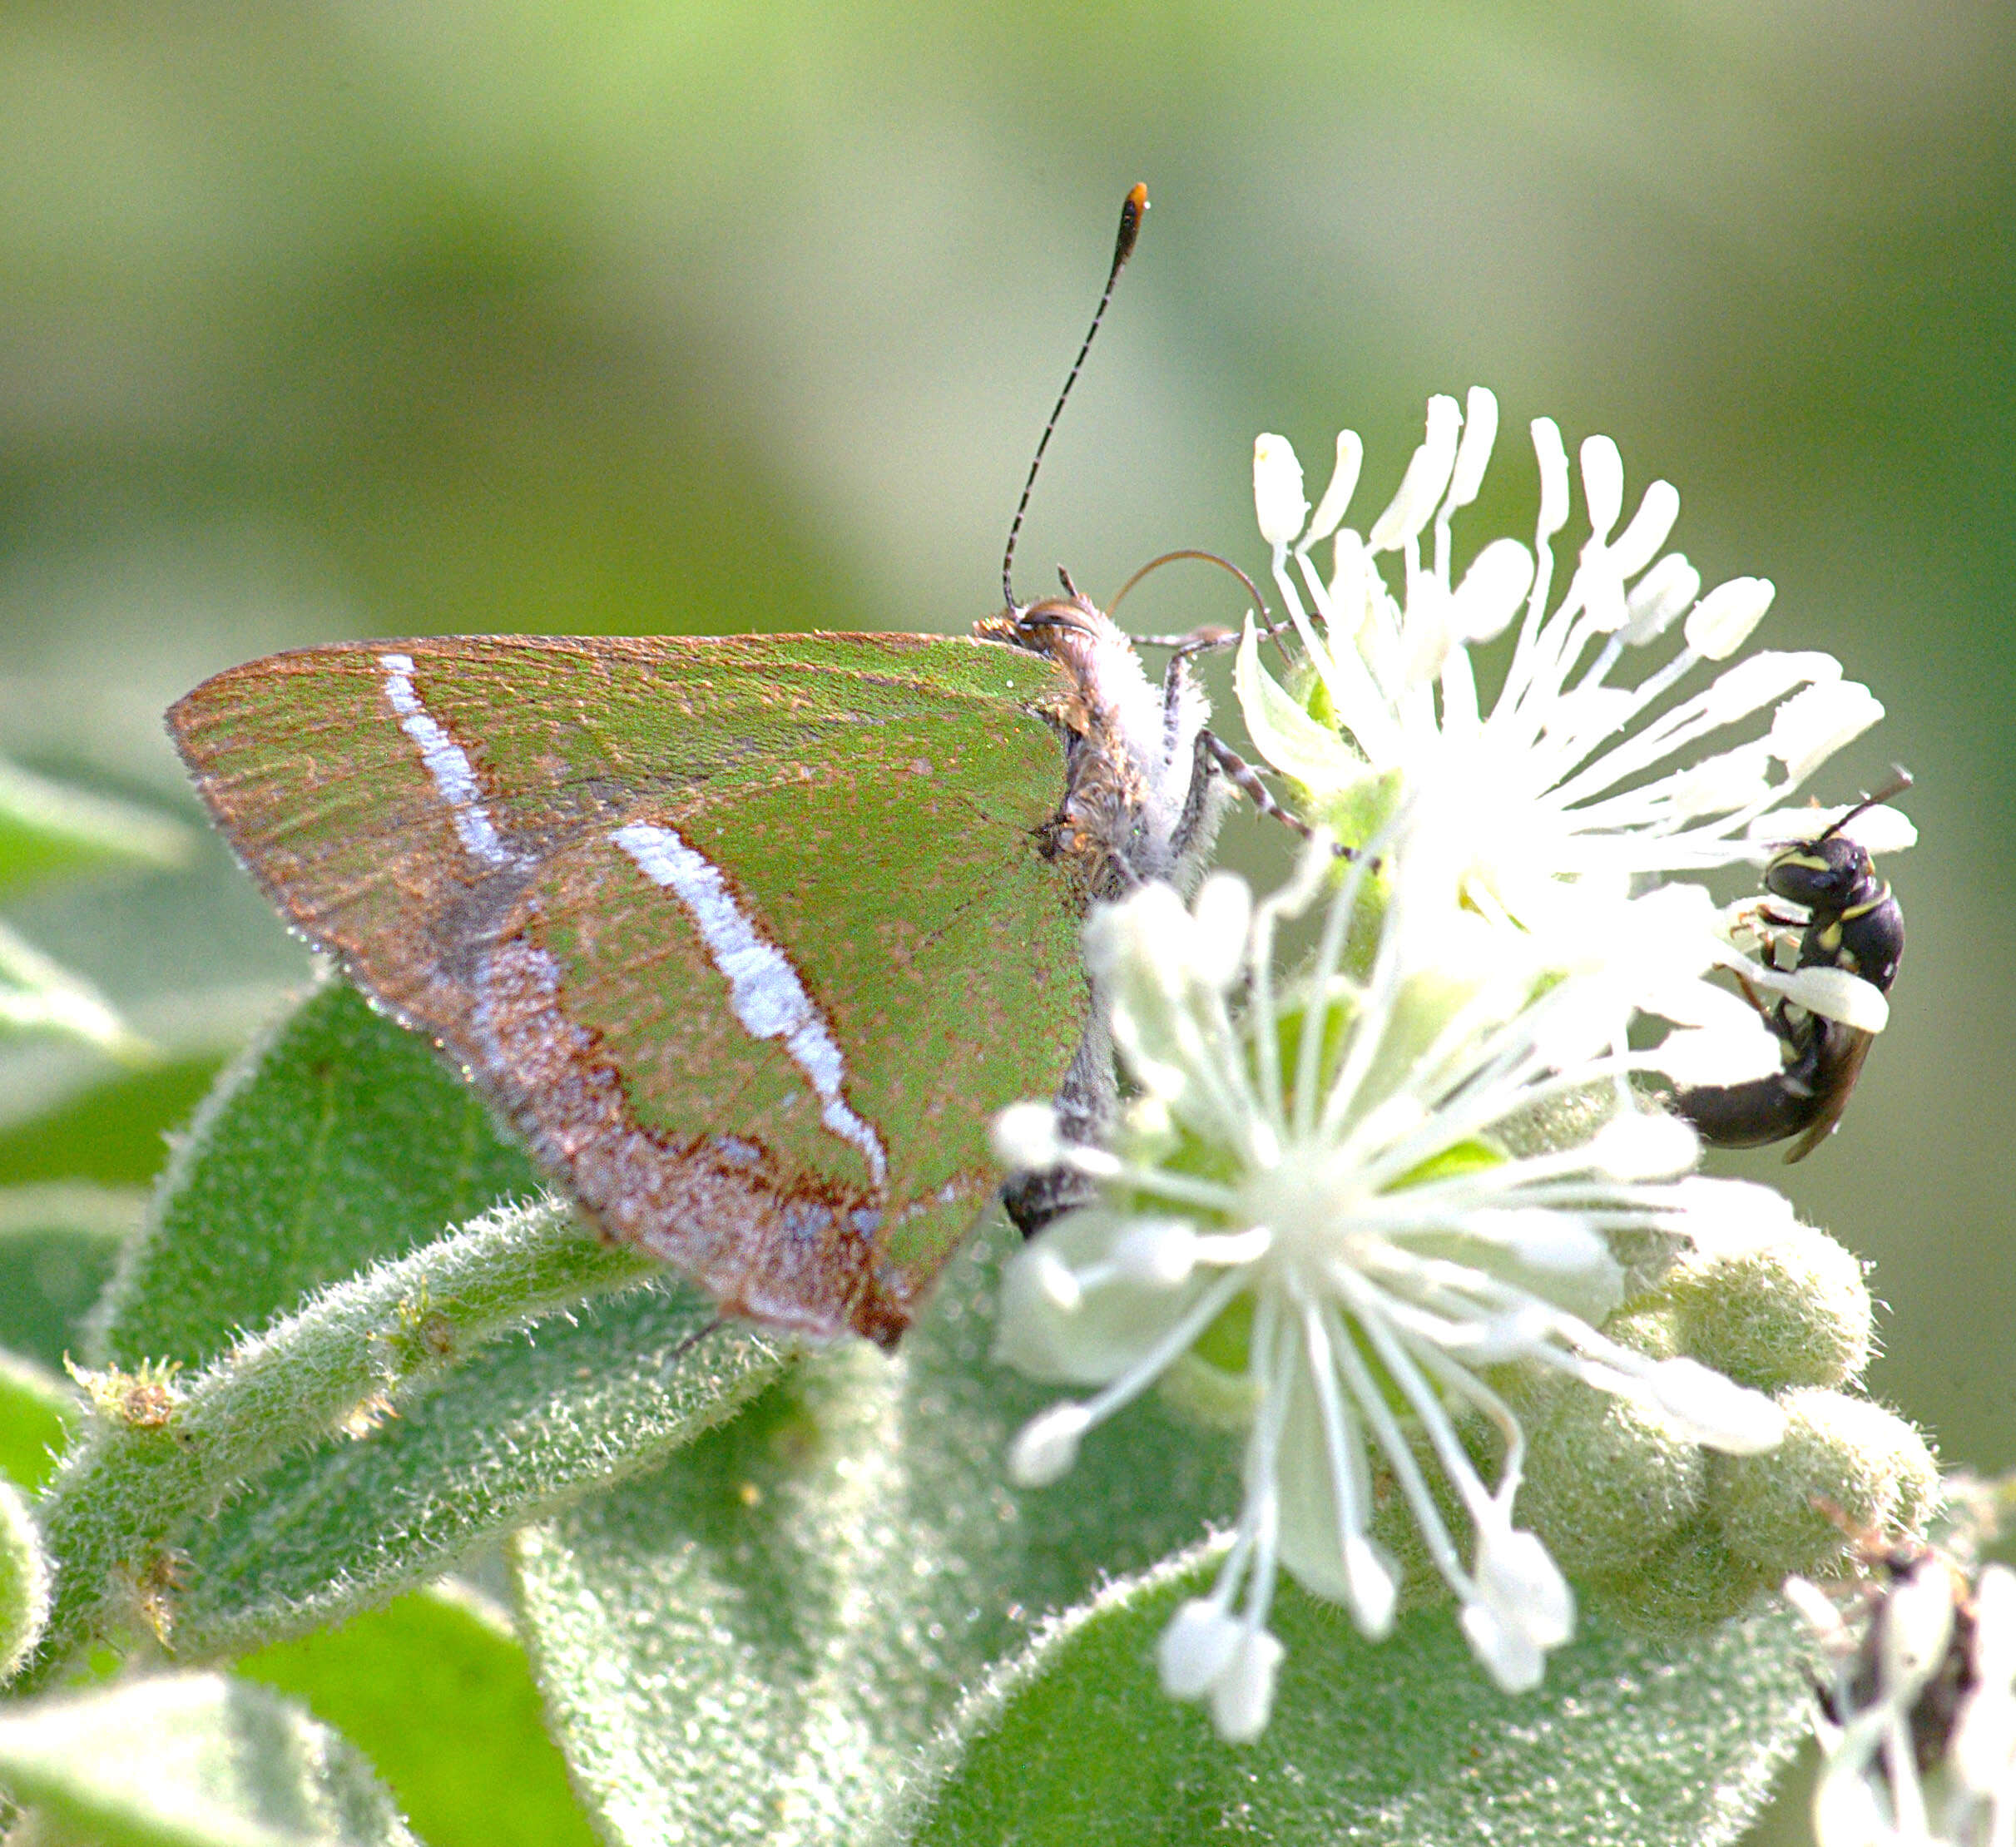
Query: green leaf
x=48 y=832
x=755 y=1641
x=359 y=1444
x=58 y=1247
x=586 y=1398
x=338 y=1141
x=1628 y=1744
x=163 y=1452
x=195 y=1760
x=436 y=1691
x=776 y=1635
x=37 y=1412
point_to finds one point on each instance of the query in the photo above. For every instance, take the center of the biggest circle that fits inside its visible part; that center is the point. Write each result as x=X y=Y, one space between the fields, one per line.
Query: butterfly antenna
x=1132 y=210
x=1201 y=558
x=1900 y=780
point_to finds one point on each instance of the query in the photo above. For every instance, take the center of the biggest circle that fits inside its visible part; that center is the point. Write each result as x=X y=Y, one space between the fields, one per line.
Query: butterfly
x=747 y=937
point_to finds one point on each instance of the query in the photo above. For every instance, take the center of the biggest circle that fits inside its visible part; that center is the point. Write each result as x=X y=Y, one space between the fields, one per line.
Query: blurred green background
x=406 y=315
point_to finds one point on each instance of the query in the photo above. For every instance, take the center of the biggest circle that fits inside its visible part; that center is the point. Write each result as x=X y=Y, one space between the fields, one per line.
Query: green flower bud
x=1846 y=1464
x=1683 y=1587
x=1793 y=1312
x=1607 y=1482
x=1652 y=1329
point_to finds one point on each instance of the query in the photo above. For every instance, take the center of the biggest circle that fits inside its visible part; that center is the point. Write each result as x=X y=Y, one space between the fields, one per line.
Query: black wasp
x=1853 y=923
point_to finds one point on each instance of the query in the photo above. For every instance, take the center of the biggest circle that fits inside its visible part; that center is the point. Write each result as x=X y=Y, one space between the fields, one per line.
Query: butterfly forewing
x=749 y=937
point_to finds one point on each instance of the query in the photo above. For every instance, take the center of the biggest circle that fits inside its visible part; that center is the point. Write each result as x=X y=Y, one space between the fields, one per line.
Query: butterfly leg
x=1246 y=778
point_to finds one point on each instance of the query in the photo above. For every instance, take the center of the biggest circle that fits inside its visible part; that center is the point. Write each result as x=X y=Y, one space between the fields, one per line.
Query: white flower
x=1918 y=1725
x=1569 y=791
x=1307 y=1202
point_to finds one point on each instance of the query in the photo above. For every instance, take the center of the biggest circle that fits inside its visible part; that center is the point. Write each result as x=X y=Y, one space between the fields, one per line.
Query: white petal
x=1755 y=682
x=1277 y=489
x=1881 y=829
x=1337 y=496
x=1159 y=1253
x=1025 y=1138
x=1421 y=487
x=1492 y=591
x=1638 y=1145
x=1736 y=1054
x=1056 y=1279
x=1075 y=1334
x=1428 y=636
x=1195 y=1649
x=1285 y=734
x=1731 y=1215
x=1690 y=1001
x=1552 y=458
x=1638 y=544
x=1223 y=909
x=1848 y=1813
x=1983 y=1753
x=1835 y=993
x=1354 y=581
x=1243 y=1696
x=1601 y=587
x=1818 y=1610
x=1542 y=1238
x=1995 y=1627
x=1603 y=483
x=1325 y=1560
x=1715 y=1411
x=1916 y=1623
x=1148 y=926
x=1659 y=599
x=1719 y=784
x=1047 y=1445
x=1473 y=452
x=1516 y=1573
x=1811 y=726
x=1580 y=1023
x=1722 y=620
x=1517 y=1333
x=1984 y=1750
x=1509 y=1656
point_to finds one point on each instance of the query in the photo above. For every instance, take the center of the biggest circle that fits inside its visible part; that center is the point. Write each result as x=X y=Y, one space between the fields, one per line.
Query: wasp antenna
x=1900 y=780
x=1132 y=210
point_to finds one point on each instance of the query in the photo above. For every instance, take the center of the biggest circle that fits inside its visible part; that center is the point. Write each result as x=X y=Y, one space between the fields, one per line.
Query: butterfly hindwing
x=748 y=936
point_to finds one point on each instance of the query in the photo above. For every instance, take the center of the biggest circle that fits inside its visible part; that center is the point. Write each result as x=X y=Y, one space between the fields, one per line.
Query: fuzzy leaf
x=165 y=1451
x=773 y=1636
x=582 y=1399
x=1628 y=1744
x=58 y=1245
x=338 y=1141
x=755 y=1642
x=364 y=1439
x=194 y=1760
x=436 y=1690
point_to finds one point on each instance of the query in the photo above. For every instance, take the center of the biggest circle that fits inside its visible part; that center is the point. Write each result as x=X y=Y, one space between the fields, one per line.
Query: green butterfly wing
x=748 y=936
